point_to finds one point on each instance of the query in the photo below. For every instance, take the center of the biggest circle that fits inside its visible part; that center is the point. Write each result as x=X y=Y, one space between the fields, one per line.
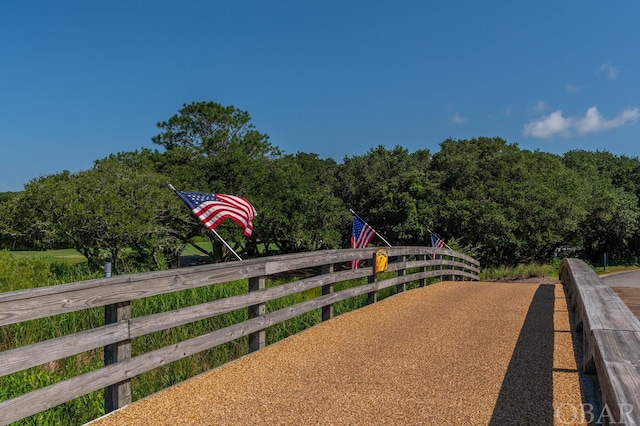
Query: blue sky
x=82 y=79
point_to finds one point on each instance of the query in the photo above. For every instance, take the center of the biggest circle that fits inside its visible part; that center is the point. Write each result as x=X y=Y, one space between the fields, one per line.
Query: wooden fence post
x=118 y=395
x=451 y=277
x=438 y=267
x=327 y=311
x=258 y=339
x=403 y=286
x=423 y=281
x=372 y=296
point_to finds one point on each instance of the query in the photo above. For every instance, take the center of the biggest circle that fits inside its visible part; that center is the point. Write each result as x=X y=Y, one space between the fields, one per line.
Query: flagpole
x=225 y=243
x=377 y=233
x=445 y=244
x=216 y=234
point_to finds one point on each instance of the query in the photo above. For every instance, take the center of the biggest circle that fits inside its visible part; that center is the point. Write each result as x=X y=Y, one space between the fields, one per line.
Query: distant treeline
x=483 y=196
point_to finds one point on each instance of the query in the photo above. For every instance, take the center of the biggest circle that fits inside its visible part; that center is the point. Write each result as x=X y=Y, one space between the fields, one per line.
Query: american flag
x=436 y=242
x=361 y=236
x=212 y=209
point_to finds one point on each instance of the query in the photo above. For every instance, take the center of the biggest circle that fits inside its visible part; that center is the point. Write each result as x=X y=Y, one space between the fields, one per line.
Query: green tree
x=613 y=185
x=12 y=224
x=298 y=210
x=110 y=212
x=393 y=191
x=6 y=196
x=31 y=213
x=215 y=149
x=208 y=128
x=517 y=205
x=622 y=171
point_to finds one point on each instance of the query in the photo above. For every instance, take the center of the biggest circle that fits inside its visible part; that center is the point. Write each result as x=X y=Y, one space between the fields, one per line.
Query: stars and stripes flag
x=361 y=236
x=436 y=241
x=212 y=209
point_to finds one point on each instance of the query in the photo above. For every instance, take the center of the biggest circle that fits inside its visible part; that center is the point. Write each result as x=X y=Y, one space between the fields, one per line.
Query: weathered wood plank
x=402 y=265
x=48 y=301
x=51 y=304
x=604 y=310
x=439 y=262
x=66 y=300
x=258 y=339
x=594 y=299
x=618 y=369
x=611 y=334
x=14 y=360
x=327 y=311
x=165 y=320
x=224 y=272
x=413 y=251
x=119 y=394
x=597 y=307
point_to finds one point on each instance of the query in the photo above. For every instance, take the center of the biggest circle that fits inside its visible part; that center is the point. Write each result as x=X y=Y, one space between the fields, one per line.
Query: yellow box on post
x=380 y=260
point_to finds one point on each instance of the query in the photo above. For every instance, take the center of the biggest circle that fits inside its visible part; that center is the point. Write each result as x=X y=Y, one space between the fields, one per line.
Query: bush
x=19 y=274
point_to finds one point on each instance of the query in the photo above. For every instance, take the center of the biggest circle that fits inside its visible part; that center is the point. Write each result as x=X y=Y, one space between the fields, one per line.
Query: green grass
x=73 y=257
x=190 y=250
x=519 y=272
x=537 y=270
x=69 y=256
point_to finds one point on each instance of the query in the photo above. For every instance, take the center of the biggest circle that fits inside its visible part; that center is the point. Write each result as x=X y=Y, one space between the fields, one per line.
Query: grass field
x=72 y=257
x=190 y=250
x=69 y=256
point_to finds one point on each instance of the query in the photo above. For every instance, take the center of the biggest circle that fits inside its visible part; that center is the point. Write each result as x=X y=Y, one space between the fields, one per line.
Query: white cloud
x=593 y=121
x=547 y=126
x=570 y=88
x=556 y=124
x=458 y=119
x=610 y=70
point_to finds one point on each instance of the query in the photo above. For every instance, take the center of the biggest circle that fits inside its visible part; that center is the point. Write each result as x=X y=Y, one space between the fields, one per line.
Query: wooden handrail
x=116 y=293
x=611 y=339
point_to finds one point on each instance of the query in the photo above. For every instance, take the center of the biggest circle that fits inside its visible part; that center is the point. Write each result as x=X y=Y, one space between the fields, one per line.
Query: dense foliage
x=485 y=196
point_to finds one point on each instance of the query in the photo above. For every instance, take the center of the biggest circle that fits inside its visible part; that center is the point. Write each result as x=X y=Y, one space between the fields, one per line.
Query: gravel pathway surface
x=453 y=353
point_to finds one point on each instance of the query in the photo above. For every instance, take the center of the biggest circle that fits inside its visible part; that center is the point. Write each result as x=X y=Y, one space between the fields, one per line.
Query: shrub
x=18 y=274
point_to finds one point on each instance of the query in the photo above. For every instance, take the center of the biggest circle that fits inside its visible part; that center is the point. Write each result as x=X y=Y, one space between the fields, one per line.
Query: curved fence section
x=610 y=338
x=325 y=270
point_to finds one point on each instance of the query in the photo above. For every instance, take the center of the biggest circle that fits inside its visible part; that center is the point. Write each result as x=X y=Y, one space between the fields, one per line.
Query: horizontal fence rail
x=115 y=294
x=610 y=339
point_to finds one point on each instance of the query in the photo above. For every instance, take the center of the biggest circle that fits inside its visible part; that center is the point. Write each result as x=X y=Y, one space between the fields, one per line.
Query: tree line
x=483 y=196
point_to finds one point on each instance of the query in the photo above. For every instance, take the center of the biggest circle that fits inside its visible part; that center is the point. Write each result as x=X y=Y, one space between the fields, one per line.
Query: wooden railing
x=610 y=339
x=410 y=264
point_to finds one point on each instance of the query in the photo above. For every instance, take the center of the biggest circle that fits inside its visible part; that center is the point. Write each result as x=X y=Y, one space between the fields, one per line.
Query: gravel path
x=453 y=353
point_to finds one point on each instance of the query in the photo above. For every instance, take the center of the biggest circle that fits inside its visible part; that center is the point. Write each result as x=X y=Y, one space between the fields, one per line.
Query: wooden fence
x=610 y=339
x=410 y=264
